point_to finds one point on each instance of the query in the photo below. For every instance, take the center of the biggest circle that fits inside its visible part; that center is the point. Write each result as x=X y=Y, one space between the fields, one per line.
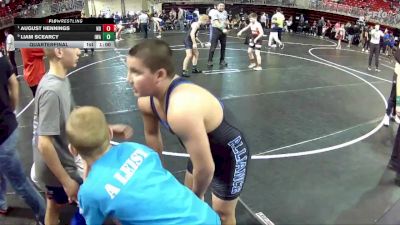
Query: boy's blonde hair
x=87 y=131
x=204 y=18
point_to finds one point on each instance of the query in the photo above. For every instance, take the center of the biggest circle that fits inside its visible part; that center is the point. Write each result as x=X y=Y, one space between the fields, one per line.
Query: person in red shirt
x=34 y=67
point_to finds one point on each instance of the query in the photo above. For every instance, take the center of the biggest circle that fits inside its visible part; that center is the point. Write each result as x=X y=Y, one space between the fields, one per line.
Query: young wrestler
x=255 y=42
x=157 y=25
x=218 y=151
x=55 y=167
x=192 y=53
x=127 y=182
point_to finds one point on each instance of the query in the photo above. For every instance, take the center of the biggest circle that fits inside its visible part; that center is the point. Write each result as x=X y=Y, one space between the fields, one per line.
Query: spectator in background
x=263 y=20
x=10 y=164
x=350 y=32
x=340 y=33
x=320 y=25
x=181 y=19
x=367 y=38
x=34 y=66
x=10 y=50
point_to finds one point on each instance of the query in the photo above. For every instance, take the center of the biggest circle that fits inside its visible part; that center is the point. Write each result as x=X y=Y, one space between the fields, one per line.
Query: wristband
x=397 y=100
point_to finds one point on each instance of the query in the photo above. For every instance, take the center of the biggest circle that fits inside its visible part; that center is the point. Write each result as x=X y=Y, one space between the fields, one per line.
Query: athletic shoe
x=396 y=119
x=369 y=68
x=158 y=36
x=185 y=74
x=282 y=46
x=258 y=68
x=386 y=120
x=377 y=70
x=366 y=51
x=209 y=64
x=252 y=65
x=363 y=50
x=196 y=71
x=223 y=63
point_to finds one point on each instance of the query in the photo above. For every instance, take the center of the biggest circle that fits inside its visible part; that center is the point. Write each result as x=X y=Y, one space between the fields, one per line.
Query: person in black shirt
x=394 y=102
x=10 y=166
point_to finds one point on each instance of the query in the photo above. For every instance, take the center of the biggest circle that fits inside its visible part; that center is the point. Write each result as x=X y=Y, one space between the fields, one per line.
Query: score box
x=109 y=28
x=108 y=36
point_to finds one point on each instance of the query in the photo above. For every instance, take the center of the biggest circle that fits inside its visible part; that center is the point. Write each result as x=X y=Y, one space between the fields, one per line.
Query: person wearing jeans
x=10 y=165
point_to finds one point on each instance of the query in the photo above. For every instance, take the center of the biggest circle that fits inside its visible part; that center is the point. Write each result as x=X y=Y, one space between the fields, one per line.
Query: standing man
x=263 y=21
x=211 y=13
x=321 y=24
x=277 y=21
x=394 y=162
x=10 y=164
x=144 y=21
x=34 y=66
x=181 y=19
x=218 y=23
x=376 y=35
x=10 y=50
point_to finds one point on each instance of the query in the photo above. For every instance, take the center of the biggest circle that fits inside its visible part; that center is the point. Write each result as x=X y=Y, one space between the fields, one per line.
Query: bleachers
x=373 y=5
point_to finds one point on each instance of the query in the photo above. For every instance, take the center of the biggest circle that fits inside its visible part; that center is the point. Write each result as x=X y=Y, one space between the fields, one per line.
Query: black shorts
x=57 y=194
x=256 y=45
x=188 y=43
x=231 y=157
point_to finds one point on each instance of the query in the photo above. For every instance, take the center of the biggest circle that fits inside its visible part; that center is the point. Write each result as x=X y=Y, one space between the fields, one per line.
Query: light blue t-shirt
x=129 y=184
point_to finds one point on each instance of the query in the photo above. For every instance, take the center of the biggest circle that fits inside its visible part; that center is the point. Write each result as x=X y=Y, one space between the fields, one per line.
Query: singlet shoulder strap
x=171 y=87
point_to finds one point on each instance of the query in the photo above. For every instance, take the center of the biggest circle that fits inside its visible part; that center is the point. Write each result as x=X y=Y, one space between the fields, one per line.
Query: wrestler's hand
x=71 y=188
x=121 y=131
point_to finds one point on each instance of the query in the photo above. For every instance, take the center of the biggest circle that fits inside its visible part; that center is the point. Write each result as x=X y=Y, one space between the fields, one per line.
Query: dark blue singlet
x=228 y=148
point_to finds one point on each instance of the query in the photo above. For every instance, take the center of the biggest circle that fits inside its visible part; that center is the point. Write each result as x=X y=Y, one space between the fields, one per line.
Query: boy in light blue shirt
x=127 y=182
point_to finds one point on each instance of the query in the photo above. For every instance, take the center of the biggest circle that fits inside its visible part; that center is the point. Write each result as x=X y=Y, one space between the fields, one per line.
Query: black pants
x=217 y=35
x=86 y=50
x=143 y=28
x=11 y=56
x=374 y=50
x=395 y=158
x=319 y=31
x=33 y=89
x=392 y=98
x=366 y=45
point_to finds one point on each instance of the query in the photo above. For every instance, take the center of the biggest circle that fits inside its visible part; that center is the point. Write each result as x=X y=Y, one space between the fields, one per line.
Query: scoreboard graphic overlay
x=64 y=33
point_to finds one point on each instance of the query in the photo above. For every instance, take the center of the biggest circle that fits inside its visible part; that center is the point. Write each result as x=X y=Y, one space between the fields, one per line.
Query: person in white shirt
x=255 y=42
x=196 y=11
x=144 y=21
x=219 y=22
x=10 y=50
x=181 y=19
x=211 y=14
x=374 y=46
x=263 y=20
